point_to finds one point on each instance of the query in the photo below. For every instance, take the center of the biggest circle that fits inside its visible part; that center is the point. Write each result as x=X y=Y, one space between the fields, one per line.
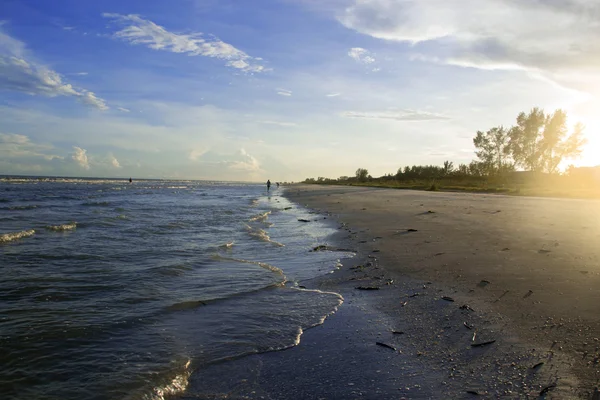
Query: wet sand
x=472 y=296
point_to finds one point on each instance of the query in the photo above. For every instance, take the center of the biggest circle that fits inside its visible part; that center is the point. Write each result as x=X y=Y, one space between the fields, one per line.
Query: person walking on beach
x=268 y=185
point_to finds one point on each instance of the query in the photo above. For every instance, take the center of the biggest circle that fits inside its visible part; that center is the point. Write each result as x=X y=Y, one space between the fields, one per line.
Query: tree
x=493 y=149
x=540 y=142
x=525 y=139
x=462 y=170
x=448 y=167
x=556 y=145
x=362 y=174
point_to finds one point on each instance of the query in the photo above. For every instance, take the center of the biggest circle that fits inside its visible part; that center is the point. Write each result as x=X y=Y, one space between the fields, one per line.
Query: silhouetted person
x=278 y=184
x=130 y=180
x=268 y=185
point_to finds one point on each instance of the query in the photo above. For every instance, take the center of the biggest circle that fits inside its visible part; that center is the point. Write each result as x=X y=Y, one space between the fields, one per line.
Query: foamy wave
x=173 y=386
x=260 y=264
x=227 y=245
x=60 y=228
x=262 y=235
x=9 y=237
x=261 y=217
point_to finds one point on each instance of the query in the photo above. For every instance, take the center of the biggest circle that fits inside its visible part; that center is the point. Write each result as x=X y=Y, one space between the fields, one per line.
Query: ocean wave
x=16 y=208
x=261 y=217
x=174 y=386
x=9 y=237
x=64 y=227
x=172 y=270
x=227 y=245
x=262 y=235
x=264 y=265
x=96 y=203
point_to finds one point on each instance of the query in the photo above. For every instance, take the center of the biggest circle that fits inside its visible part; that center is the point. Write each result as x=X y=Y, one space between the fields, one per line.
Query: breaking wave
x=60 y=228
x=266 y=266
x=261 y=234
x=9 y=237
x=261 y=217
x=173 y=386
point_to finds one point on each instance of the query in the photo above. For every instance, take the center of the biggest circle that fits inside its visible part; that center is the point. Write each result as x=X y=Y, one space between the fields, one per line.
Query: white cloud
x=113 y=161
x=80 y=157
x=144 y=32
x=18 y=146
x=91 y=99
x=278 y=123
x=197 y=153
x=123 y=109
x=284 y=92
x=20 y=75
x=81 y=73
x=361 y=55
x=563 y=48
x=399 y=115
x=333 y=94
x=245 y=162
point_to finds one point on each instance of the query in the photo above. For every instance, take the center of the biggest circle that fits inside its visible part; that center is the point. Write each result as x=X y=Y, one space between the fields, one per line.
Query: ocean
x=112 y=290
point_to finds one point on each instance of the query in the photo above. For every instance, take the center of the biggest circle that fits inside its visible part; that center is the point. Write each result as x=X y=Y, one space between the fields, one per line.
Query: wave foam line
x=9 y=237
x=261 y=217
x=176 y=386
x=227 y=245
x=266 y=266
x=61 y=228
x=262 y=235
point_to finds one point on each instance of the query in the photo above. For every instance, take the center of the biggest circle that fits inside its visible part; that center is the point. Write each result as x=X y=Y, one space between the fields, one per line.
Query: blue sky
x=282 y=89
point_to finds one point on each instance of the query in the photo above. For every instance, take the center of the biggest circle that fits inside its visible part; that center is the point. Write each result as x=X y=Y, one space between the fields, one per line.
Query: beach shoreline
x=440 y=324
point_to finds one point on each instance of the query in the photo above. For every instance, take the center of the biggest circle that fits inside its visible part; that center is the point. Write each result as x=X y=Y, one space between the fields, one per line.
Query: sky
x=282 y=89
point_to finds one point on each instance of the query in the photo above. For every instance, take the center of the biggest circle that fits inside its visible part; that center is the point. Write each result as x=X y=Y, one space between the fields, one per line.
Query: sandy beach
x=449 y=296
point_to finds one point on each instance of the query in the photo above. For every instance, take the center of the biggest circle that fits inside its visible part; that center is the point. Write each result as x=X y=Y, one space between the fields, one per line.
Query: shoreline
x=512 y=191
x=348 y=356
x=530 y=263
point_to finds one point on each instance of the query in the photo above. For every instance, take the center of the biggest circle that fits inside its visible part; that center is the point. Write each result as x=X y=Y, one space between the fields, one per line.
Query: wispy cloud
x=21 y=75
x=123 y=109
x=398 y=115
x=479 y=37
x=361 y=55
x=140 y=31
x=14 y=145
x=278 y=123
x=333 y=94
x=197 y=153
x=284 y=92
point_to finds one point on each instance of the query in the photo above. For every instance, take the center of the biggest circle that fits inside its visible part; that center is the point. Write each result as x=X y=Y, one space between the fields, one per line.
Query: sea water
x=112 y=290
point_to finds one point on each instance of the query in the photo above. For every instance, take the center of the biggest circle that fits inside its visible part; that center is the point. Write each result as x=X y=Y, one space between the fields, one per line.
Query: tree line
x=539 y=142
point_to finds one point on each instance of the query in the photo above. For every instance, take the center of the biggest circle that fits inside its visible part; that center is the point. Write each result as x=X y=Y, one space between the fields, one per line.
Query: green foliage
x=362 y=174
x=537 y=144
x=493 y=150
x=540 y=142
